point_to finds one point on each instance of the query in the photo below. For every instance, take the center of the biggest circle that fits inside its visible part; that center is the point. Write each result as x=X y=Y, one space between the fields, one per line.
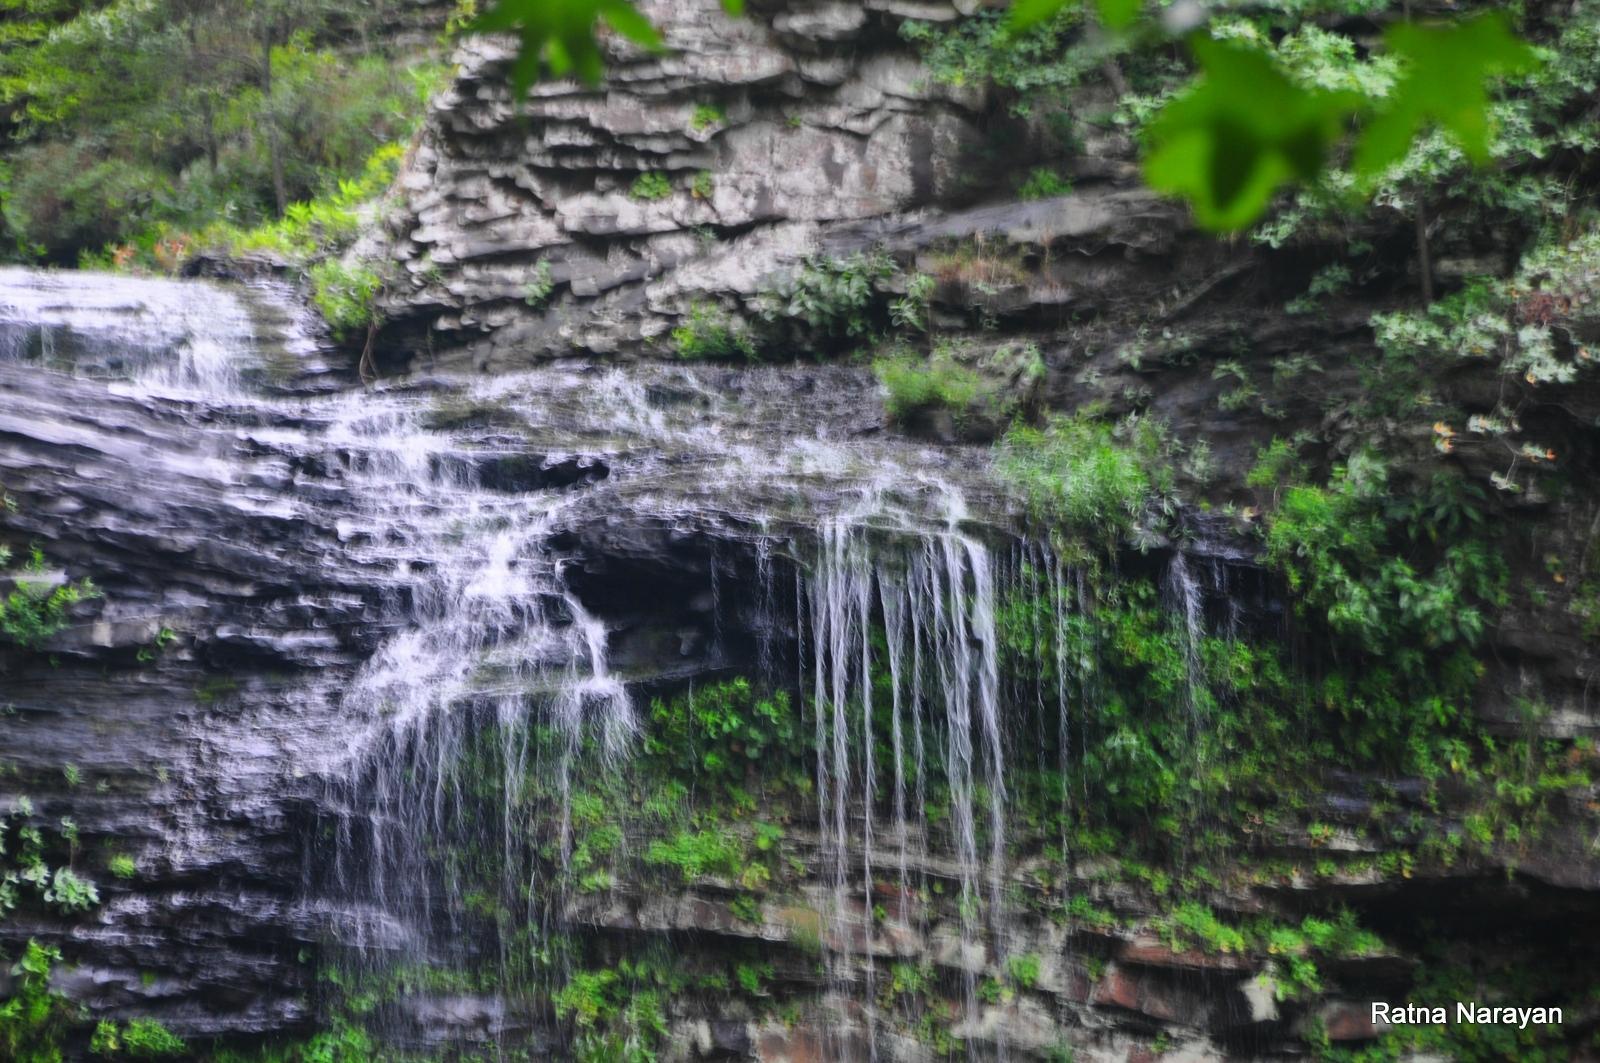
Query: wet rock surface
x=288 y=530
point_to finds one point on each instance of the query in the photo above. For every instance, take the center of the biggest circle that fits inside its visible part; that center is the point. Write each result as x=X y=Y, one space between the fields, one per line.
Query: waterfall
x=942 y=669
x=179 y=338
x=492 y=693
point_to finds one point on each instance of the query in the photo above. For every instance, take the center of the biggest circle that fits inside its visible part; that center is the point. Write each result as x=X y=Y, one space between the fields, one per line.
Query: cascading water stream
x=176 y=338
x=448 y=824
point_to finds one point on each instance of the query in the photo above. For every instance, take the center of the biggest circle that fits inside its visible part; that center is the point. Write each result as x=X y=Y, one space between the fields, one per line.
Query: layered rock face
x=763 y=133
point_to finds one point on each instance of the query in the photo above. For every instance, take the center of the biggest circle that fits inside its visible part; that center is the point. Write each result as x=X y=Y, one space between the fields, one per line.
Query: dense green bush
x=35 y=1020
x=1357 y=558
x=916 y=384
x=727 y=730
x=651 y=186
x=834 y=298
x=36 y=610
x=346 y=295
x=1085 y=474
x=708 y=333
x=976 y=386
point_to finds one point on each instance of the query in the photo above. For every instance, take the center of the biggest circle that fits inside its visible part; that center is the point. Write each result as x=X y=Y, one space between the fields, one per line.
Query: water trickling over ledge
x=432 y=641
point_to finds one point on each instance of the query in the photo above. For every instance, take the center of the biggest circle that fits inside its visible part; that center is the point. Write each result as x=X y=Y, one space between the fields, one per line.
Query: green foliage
x=1532 y=327
x=1194 y=922
x=559 y=37
x=1444 y=80
x=122 y=866
x=537 y=291
x=344 y=1043
x=696 y=854
x=710 y=334
x=1333 y=543
x=69 y=894
x=588 y=997
x=908 y=980
x=705 y=116
x=105 y=1041
x=1116 y=14
x=1224 y=152
x=916 y=384
x=834 y=298
x=148 y=1039
x=1218 y=144
x=346 y=295
x=1034 y=64
x=315 y=227
x=728 y=730
x=25 y=863
x=913 y=310
x=35 y=1020
x=752 y=977
x=110 y=148
x=1085 y=474
x=651 y=186
x=1023 y=969
x=34 y=611
x=1044 y=183
x=617 y=1011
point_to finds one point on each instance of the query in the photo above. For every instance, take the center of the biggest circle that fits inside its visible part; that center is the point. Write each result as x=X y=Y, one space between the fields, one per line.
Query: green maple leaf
x=1115 y=14
x=1239 y=133
x=1445 y=83
x=558 y=36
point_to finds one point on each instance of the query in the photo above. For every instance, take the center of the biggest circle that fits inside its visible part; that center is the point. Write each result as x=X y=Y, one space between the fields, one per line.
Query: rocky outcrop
x=752 y=136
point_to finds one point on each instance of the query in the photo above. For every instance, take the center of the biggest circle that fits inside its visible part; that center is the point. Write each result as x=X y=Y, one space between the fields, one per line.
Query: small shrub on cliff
x=982 y=390
x=30 y=614
x=540 y=286
x=699 y=853
x=1043 y=183
x=833 y=297
x=140 y=1039
x=346 y=295
x=34 y=611
x=1337 y=547
x=35 y=1019
x=69 y=894
x=913 y=311
x=705 y=116
x=1086 y=474
x=710 y=334
x=1024 y=969
x=651 y=186
x=916 y=384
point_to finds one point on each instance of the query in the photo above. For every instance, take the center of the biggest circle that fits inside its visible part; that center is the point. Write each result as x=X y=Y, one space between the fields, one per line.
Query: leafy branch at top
x=1244 y=127
x=561 y=36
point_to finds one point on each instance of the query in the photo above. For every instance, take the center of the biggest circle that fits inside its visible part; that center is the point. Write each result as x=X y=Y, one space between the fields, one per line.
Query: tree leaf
x=1222 y=149
x=1026 y=13
x=1114 y=14
x=558 y=36
x=1445 y=83
x=1118 y=14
